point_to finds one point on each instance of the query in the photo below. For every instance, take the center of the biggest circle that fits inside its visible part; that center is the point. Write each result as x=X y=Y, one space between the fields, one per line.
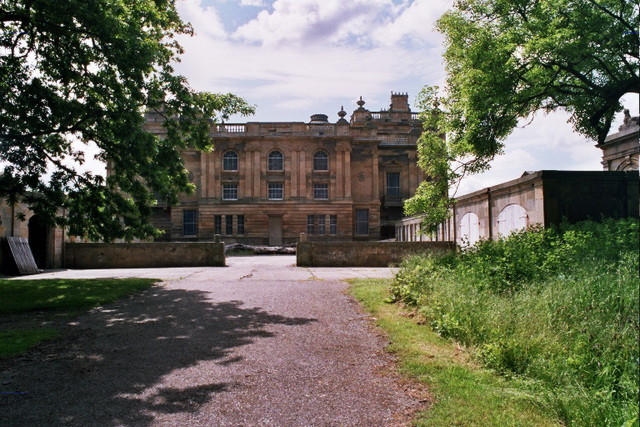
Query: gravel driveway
x=258 y=343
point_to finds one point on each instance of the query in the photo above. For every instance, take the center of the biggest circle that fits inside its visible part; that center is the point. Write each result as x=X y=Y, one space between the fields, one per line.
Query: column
x=295 y=167
x=303 y=174
x=375 y=190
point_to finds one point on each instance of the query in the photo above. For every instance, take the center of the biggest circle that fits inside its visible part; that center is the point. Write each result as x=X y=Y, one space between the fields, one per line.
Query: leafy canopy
x=507 y=60
x=76 y=72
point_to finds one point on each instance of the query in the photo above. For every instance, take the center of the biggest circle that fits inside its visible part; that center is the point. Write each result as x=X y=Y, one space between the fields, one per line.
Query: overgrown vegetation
x=460 y=392
x=556 y=307
x=53 y=299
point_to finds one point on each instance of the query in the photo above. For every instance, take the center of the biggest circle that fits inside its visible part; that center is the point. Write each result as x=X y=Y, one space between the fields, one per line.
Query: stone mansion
x=268 y=183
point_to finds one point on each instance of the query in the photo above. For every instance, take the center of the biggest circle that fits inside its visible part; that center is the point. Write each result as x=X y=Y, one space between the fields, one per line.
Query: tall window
x=310 y=224
x=362 y=221
x=321 y=161
x=189 y=222
x=333 y=224
x=230 y=161
x=393 y=184
x=217 y=224
x=276 y=161
x=228 y=226
x=240 y=224
x=229 y=191
x=321 y=227
x=321 y=191
x=275 y=191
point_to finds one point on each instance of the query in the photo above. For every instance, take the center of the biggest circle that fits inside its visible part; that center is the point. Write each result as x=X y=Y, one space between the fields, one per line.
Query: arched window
x=321 y=161
x=276 y=161
x=230 y=161
x=513 y=217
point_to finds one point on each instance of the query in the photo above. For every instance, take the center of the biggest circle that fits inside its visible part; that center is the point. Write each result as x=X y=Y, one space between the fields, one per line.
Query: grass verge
x=464 y=393
x=51 y=299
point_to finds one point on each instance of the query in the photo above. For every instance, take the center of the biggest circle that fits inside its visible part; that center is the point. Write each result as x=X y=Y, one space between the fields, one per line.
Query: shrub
x=557 y=306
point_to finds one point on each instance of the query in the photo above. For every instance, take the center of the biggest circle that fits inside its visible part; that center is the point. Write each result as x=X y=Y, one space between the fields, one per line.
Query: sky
x=295 y=58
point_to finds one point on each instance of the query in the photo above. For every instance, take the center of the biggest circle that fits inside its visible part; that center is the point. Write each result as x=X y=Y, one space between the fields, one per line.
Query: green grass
x=464 y=393
x=55 y=298
x=16 y=342
x=558 y=309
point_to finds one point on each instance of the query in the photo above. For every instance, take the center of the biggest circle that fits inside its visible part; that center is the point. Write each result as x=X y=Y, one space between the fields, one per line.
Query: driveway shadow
x=109 y=369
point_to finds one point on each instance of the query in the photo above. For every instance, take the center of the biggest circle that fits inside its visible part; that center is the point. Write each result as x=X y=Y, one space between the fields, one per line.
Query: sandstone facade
x=270 y=183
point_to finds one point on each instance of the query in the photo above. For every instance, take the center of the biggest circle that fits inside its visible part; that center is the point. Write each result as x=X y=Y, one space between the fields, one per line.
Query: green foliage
x=460 y=393
x=74 y=73
x=507 y=60
x=560 y=307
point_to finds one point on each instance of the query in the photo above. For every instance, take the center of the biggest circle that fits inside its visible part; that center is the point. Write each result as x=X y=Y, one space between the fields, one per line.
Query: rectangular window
x=217 y=224
x=240 y=224
x=362 y=221
x=229 y=191
x=228 y=226
x=321 y=228
x=393 y=184
x=310 y=224
x=321 y=191
x=333 y=224
x=189 y=222
x=276 y=191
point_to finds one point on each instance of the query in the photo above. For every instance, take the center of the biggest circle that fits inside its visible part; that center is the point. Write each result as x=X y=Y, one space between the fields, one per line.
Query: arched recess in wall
x=38 y=240
x=513 y=217
x=470 y=229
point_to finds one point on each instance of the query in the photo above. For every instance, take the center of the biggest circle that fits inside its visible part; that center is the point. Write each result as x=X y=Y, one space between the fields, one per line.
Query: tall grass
x=558 y=307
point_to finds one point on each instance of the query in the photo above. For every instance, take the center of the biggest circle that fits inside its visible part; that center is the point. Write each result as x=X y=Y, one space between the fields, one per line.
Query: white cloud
x=252 y=3
x=361 y=22
x=205 y=20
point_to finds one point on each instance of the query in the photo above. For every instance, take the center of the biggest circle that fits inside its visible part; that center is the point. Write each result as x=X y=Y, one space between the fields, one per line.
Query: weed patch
x=557 y=308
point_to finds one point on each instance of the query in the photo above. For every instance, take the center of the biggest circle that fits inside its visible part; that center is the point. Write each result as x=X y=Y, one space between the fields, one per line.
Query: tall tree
x=507 y=60
x=77 y=72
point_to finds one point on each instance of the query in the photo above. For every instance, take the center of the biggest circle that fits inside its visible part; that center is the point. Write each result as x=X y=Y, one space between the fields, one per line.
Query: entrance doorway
x=275 y=230
x=38 y=241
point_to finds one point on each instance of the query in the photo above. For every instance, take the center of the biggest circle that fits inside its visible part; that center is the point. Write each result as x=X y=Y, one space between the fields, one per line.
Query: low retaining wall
x=363 y=254
x=144 y=255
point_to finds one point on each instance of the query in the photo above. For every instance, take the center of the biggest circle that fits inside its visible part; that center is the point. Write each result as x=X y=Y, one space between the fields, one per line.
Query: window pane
x=217 y=224
x=321 y=161
x=393 y=184
x=240 y=224
x=362 y=221
x=276 y=191
x=310 y=224
x=321 y=227
x=333 y=224
x=321 y=191
x=230 y=191
x=189 y=222
x=228 y=224
x=276 y=161
x=230 y=161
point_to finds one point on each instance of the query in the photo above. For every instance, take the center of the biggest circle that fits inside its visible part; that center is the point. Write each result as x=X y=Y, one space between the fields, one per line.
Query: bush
x=557 y=306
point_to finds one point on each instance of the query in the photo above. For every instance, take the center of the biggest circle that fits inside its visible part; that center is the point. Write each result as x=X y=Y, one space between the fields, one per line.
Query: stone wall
x=363 y=254
x=144 y=255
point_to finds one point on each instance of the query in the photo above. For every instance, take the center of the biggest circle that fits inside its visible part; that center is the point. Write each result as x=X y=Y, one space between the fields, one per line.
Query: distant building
x=46 y=242
x=620 y=150
x=269 y=183
x=542 y=198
